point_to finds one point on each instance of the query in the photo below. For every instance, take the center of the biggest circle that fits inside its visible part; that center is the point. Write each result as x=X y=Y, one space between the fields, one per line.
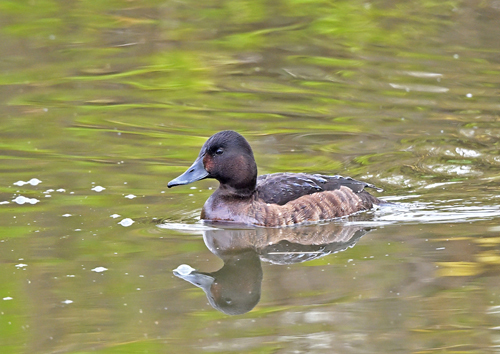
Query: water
x=103 y=103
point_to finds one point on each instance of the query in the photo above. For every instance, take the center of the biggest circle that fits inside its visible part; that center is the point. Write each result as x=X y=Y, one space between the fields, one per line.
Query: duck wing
x=280 y=188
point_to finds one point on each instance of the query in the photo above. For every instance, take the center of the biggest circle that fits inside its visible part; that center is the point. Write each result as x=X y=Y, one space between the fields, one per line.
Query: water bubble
x=23 y=200
x=126 y=222
x=184 y=269
x=99 y=269
x=33 y=182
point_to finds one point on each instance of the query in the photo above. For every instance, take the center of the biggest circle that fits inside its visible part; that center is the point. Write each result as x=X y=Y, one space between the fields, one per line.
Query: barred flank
x=313 y=207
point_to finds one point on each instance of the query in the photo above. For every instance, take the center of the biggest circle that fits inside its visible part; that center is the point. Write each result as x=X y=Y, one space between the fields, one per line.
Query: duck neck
x=227 y=190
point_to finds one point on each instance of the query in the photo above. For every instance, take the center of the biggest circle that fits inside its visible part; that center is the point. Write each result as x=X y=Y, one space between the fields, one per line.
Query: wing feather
x=280 y=188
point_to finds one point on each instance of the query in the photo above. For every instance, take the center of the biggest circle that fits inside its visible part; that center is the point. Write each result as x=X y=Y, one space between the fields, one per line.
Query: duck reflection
x=235 y=288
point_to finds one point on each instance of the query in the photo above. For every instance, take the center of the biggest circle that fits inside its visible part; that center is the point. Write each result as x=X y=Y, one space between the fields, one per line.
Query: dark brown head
x=227 y=157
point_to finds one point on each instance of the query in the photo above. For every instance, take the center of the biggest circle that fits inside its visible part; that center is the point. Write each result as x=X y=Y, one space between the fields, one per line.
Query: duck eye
x=219 y=151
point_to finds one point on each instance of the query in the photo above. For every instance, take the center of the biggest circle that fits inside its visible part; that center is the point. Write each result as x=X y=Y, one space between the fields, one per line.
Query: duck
x=270 y=200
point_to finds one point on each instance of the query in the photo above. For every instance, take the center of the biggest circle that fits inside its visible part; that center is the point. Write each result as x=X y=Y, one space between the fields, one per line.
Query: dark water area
x=102 y=103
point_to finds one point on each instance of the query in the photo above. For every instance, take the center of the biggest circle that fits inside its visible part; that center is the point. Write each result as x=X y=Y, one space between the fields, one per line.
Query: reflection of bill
x=235 y=288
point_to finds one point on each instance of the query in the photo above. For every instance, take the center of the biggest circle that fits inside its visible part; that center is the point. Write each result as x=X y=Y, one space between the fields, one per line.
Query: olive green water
x=104 y=102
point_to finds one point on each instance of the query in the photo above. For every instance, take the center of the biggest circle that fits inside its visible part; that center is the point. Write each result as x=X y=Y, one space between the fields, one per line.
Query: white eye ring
x=219 y=151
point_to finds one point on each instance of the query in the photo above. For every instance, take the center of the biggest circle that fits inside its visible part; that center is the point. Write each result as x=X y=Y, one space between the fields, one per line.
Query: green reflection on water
x=112 y=92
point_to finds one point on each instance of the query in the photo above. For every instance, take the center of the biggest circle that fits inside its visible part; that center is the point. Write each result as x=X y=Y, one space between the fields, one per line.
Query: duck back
x=281 y=188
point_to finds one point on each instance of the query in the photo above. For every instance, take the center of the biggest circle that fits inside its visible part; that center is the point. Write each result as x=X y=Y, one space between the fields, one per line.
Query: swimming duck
x=272 y=200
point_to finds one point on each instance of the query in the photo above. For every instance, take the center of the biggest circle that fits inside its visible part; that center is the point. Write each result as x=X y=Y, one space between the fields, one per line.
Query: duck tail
x=368 y=199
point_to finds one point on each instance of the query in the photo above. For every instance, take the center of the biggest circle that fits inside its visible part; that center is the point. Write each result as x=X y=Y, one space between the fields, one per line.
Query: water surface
x=102 y=103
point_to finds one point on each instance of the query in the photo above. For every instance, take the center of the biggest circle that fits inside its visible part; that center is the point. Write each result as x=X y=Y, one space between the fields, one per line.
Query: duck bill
x=201 y=280
x=194 y=173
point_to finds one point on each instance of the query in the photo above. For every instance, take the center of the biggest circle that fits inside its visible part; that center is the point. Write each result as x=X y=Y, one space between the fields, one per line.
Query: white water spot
x=66 y=215
x=420 y=88
x=7 y=298
x=67 y=301
x=33 y=182
x=99 y=269
x=4 y=202
x=61 y=190
x=130 y=196
x=21 y=265
x=23 y=200
x=98 y=189
x=469 y=95
x=185 y=227
x=114 y=216
x=401 y=181
x=467 y=152
x=455 y=169
x=184 y=269
x=424 y=75
x=126 y=222
x=48 y=191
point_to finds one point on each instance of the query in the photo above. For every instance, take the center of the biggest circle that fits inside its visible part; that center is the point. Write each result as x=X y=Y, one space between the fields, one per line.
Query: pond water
x=103 y=103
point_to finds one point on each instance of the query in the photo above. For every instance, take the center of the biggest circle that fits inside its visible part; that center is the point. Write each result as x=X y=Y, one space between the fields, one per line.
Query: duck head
x=227 y=157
